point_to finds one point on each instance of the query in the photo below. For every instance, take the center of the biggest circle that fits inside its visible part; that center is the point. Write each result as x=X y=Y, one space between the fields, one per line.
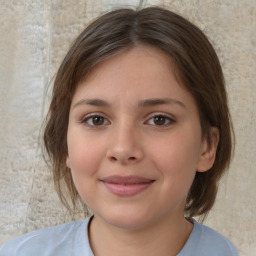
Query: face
x=134 y=140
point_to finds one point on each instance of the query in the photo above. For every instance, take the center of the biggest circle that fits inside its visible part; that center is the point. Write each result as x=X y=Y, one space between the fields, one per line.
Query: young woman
x=139 y=130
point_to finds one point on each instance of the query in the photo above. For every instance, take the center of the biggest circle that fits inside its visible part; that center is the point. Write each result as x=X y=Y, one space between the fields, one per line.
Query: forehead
x=143 y=69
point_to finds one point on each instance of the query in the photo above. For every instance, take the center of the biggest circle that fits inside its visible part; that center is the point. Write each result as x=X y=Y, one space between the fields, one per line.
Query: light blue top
x=71 y=239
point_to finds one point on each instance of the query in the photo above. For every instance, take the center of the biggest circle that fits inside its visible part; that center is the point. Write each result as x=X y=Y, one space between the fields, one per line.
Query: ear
x=208 y=150
x=68 y=162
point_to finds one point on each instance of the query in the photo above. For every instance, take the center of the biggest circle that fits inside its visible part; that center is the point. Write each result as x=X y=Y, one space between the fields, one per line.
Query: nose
x=125 y=146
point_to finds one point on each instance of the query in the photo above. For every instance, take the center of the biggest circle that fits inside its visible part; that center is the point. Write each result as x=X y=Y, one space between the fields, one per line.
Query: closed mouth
x=126 y=185
x=128 y=180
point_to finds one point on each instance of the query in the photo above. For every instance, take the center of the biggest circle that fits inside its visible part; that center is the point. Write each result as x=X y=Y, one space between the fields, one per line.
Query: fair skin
x=131 y=119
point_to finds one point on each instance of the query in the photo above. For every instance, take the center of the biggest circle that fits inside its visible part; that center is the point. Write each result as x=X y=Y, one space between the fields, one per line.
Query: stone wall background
x=35 y=35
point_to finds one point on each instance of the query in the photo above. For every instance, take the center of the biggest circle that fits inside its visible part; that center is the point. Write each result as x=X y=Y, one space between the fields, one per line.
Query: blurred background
x=34 y=37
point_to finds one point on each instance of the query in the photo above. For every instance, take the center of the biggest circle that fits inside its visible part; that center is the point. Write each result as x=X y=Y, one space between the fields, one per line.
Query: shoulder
x=206 y=241
x=55 y=241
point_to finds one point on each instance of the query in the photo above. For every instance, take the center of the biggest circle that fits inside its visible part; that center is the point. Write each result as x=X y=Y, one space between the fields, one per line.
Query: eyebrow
x=142 y=103
x=161 y=101
x=93 y=102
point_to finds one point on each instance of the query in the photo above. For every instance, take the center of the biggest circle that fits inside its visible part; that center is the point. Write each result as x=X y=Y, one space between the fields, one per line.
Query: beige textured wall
x=34 y=36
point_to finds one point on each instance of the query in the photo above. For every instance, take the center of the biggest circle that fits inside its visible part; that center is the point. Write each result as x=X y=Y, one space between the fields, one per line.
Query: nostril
x=112 y=158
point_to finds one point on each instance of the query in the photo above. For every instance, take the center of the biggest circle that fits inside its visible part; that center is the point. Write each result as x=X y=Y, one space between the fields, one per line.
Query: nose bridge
x=125 y=144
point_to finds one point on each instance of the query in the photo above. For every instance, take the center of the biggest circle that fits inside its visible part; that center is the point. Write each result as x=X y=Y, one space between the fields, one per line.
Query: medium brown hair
x=198 y=69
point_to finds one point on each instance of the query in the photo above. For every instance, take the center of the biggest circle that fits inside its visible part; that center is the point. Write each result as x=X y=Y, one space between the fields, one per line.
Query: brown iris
x=159 y=120
x=98 y=120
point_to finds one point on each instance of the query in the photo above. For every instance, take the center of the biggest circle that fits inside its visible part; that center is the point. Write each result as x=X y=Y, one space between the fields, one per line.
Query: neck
x=165 y=238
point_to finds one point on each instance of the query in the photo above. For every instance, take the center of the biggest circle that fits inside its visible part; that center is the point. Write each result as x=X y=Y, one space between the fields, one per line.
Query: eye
x=160 y=120
x=95 y=120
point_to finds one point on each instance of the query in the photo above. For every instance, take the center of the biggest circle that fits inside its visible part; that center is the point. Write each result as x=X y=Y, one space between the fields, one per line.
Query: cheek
x=180 y=152
x=85 y=163
x=176 y=159
x=84 y=157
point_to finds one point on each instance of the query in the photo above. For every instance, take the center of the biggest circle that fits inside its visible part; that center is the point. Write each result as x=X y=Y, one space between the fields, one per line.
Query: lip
x=126 y=185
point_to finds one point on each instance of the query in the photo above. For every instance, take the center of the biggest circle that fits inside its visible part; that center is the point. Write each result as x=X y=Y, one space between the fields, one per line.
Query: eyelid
x=91 y=115
x=171 y=118
x=164 y=114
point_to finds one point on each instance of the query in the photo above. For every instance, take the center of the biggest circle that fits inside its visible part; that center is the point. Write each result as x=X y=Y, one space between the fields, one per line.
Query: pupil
x=159 y=120
x=98 y=120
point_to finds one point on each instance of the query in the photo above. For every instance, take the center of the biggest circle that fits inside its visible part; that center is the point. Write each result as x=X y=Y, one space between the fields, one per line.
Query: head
x=196 y=67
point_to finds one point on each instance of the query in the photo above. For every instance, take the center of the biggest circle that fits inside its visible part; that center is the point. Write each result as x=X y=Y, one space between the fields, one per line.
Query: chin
x=126 y=220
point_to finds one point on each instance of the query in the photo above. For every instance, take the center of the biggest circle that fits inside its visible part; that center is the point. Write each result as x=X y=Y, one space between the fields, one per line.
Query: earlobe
x=208 y=151
x=68 y=162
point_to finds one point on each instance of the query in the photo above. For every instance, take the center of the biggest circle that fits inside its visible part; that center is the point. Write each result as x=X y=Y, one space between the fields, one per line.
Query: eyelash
x=86 y=119
x=89 y=118
x=168 y=119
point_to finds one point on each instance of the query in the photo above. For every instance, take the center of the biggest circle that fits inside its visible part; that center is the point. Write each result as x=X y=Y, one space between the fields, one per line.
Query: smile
x=126 y=185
